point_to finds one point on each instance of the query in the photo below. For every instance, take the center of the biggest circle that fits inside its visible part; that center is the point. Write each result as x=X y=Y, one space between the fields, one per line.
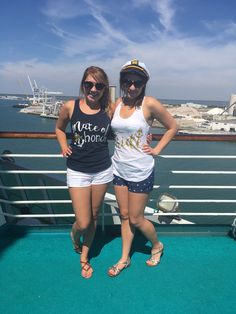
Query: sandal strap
x=84 y=266
x=158 y=252
x=116 y=267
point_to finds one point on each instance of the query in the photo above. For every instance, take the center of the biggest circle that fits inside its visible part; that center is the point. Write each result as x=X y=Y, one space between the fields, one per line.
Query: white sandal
x=152 y=261
x=116 y=269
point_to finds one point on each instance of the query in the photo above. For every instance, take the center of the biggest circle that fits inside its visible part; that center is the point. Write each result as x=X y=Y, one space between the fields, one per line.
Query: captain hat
x=135 y=66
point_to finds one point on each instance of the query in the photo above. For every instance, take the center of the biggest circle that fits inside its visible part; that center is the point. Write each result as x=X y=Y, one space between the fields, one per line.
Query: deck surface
x=40 y=273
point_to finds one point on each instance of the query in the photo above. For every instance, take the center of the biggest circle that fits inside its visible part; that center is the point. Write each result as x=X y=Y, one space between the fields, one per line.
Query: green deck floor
x=40 y=273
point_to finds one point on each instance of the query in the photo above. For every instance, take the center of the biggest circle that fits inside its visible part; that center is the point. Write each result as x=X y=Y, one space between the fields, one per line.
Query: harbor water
x=12 y=120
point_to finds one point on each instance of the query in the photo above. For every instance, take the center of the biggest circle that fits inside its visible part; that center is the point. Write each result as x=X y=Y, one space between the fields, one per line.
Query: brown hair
x=100 y=76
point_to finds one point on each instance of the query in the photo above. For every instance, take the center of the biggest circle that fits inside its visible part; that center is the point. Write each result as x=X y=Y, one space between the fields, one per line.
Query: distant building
x=232 y=105
x=112 y=89
x=222 y=126
x=216 y=111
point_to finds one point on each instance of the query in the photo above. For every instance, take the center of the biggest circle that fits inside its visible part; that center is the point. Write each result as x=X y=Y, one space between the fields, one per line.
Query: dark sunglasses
x=137 y=84
x=89 y=85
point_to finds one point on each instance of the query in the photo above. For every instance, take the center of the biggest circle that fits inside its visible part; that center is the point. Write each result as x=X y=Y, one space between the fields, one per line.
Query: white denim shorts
x=83 y=179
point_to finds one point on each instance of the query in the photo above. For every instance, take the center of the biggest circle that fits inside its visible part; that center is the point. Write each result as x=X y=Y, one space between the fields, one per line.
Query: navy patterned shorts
x=136 y=187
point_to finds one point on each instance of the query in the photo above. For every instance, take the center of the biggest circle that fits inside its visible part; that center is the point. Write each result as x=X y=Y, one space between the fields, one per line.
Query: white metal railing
x=199 y=156
x=111 y=197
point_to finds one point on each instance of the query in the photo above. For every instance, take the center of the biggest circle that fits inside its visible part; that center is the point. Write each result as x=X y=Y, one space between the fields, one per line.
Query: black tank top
x=89 y=144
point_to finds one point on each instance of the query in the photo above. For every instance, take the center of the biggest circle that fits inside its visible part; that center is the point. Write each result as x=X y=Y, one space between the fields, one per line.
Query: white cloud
x=181 y=67
x=64 y=9
x=103 y=36
x=166 y=11
x=108 y=29
x=222 y=30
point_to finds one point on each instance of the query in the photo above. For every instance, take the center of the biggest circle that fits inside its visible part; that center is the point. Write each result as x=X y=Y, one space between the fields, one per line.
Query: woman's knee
x=124 y=215
x=82 y=226
x=136 y=221
x=95 y=213
x=95 y=216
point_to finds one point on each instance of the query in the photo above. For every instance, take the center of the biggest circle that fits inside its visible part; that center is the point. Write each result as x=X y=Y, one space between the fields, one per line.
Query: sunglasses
x=89 y=85
x=137 y=84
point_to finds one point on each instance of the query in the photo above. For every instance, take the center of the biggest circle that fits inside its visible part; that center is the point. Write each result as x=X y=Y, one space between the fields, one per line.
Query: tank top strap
x=117 y=110
x=142 y=111
x=77 y=101
x=76 y=109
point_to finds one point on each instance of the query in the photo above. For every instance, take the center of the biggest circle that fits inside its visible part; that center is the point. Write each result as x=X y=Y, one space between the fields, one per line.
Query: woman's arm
x=64 y=118
x=159 y=112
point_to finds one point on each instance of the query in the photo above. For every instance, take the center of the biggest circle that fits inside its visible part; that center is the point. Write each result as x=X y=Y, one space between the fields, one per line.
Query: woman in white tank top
x=133 y=159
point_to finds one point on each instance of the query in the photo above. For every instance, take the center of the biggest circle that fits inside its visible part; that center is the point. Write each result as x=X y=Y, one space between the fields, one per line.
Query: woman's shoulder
x=152 y=106
x=150 y=101
x=69 y=103
x=67 y=108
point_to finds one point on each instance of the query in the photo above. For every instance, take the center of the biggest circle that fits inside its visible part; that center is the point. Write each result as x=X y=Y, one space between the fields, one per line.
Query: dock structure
x=43 y=102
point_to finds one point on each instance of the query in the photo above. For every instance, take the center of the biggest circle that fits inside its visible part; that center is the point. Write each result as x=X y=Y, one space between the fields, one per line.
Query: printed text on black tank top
x=88 y=133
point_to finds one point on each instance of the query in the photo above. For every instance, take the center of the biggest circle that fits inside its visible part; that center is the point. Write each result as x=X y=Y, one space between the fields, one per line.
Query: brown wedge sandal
x=154 y=260
x=116 y=269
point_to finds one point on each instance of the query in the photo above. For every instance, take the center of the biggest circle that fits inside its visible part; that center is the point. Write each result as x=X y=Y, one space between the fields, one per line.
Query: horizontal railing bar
x=37 y=215
x=69 y=201
x=32 y=135
x=178 y=137
x=196 y=186
x=201 y=172
x=161 y=156
x=117 y=214
x=200 y=201
x=64 y=187
x=172 y=171
x=36 y=202
x=202 y=186
x=194 y=214
x=32 y=171
x=199 y=156
x=44 y=187
x=33 y=155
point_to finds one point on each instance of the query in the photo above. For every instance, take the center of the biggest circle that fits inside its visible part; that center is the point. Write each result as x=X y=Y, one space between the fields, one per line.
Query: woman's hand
x=67 y=151
x=149 y=138
x=149 y=150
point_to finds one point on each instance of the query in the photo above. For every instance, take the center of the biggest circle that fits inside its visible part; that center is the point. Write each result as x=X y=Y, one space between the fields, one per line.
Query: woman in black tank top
x=89 y=169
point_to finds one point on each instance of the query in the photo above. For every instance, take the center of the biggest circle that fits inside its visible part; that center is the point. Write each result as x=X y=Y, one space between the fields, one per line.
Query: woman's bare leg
x=137 y=204
x=127 y=231
x=97 y=196
x=81 y=202
x=86 y=203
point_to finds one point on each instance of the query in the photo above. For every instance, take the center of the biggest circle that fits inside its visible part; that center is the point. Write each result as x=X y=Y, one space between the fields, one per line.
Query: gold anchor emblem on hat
x=135 y=62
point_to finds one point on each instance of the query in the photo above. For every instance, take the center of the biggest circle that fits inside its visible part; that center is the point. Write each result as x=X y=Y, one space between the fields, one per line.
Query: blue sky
x=189 y=46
